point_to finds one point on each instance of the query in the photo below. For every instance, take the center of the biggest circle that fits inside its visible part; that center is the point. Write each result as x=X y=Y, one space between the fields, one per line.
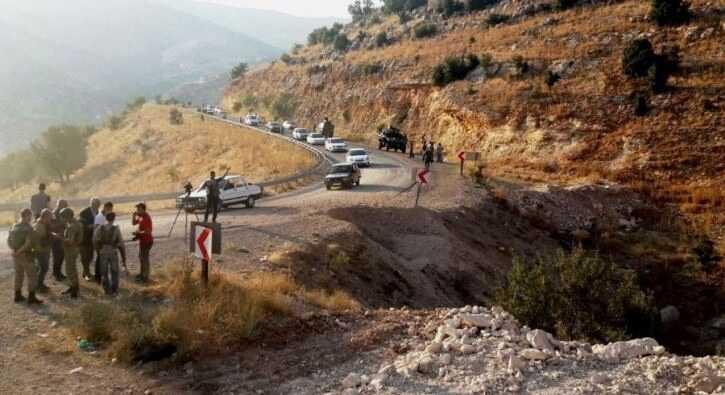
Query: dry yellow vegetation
x=148 y=155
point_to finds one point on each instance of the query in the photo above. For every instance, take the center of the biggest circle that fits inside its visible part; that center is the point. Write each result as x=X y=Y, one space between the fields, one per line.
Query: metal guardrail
x=322 y=162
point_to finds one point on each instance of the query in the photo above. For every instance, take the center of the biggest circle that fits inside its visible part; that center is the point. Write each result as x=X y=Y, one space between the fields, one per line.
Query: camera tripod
x=183 y=208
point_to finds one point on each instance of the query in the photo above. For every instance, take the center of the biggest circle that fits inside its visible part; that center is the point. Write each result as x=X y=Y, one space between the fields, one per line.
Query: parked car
x=316 y=139
x=232 y=190
x=289 y=126
x=252 y=120
x=274 y=127
x=359 y=157
x=300 y=134
x=335 y=144
x=346 y=175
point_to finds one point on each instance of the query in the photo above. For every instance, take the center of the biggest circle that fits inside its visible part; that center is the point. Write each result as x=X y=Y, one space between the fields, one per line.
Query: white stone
x=540 y=340
x=445 y=359
x=626 y=349
x=434 y=348
x=599 y=379
x=533 y=354
x=467 y=349
x=352 y=380
x=476 y=320
x=516 y=364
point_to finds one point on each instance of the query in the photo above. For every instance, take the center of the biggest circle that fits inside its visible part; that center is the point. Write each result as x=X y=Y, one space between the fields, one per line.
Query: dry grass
x=149 y=155
x=182 y=317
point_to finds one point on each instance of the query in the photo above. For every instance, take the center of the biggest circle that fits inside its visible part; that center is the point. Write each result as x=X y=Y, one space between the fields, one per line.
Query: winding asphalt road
x=389 y=172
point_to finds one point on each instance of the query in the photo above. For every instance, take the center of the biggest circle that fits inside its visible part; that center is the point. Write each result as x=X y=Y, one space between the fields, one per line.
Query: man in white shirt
x=98 y=221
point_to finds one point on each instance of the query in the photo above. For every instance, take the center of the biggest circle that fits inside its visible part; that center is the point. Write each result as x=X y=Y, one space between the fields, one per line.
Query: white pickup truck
x=233 y=190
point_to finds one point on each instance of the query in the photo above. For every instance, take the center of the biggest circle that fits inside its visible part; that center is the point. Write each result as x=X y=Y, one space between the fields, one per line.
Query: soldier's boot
x=73 y=292
x=33 y=300
x=19 y=298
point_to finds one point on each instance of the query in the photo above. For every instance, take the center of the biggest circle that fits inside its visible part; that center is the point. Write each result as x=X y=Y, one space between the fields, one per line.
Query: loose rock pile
x=479 y=350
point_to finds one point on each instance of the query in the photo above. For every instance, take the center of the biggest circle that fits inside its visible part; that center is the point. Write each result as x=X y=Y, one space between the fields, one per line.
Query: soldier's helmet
x=66 y=213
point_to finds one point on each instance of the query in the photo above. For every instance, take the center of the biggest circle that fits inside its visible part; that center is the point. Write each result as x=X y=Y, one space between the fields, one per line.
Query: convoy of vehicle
x=232 y=190
x=300 y=134
x=316 y=139
x=252 y=120
x=345 y=175
x=289 y=126
x=335 y=144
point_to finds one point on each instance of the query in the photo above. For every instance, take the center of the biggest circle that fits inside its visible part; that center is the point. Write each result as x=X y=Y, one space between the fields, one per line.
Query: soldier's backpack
x=18 y=235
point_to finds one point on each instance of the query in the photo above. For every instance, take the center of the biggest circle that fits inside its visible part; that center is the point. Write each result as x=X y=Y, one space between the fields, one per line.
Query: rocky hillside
x=580 y=126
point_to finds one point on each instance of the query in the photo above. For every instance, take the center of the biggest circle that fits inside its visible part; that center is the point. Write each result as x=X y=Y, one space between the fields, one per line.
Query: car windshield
x=316 y=135
x=357 y=152
x=341 y=169
x=336 y=141
x=301 y=130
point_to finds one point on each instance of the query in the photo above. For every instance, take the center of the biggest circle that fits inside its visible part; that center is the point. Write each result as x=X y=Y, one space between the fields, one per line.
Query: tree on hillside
x=114 y=122
x=670 y=12
x=17 y=168
x=400 y=7
x=361 y=9
x=342 y=43
x=136 y=104
x=61 y=150
x=239 y=70
x=638 y=57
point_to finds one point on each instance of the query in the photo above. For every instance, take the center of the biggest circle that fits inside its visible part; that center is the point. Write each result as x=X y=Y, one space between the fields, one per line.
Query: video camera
x=188 y=188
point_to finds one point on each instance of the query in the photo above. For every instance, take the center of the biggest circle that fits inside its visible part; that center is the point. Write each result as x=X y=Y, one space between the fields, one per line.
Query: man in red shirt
x=144 y=233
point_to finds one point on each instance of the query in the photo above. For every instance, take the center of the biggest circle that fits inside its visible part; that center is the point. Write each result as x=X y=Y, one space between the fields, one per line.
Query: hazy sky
x=337 y=8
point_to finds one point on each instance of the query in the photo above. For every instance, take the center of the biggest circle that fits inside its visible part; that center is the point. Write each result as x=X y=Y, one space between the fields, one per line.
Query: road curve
x=389 y=172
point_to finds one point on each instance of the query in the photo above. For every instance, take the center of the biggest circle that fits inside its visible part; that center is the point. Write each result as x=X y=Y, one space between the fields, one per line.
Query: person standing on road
x=439 y=153
x=99 y=220
x=144 y=233
x=73 y=234
x=39 y=201
x=212 y=195
x=20 y=241
x=108 y=241
x=41 y=247
x=87 y=219
x=57 y=226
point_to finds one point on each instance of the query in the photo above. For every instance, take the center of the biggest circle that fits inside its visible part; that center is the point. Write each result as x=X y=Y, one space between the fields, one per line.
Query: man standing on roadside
x=20 y=241
x=57 y=226
x=39 y=201
x=144 y=233
x=41 y=246
x=99 y=221
x=212 y=195
x=108 y=242
x=87 y=219
x=72 y=244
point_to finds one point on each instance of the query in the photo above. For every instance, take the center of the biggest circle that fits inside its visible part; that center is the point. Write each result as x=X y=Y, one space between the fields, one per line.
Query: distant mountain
x=276 y=28
x=79 y=60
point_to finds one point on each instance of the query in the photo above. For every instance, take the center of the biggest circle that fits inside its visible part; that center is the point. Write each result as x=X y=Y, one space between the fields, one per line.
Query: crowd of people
x=431 y=152
x=43 y=235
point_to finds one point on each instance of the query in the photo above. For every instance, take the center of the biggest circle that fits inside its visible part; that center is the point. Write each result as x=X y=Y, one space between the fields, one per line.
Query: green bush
x=638 y=57
x=286 y=58
x=381 y=39
x=475 y=5
x=325 y=35
x=239 y=70
x=454 y=69
x=564 y=4
x=176 y=117
x=520 y=64
x=551 y=78
x=399 y=7
x=670 y=12
x=497 y=19
x=341 y=43
x=425 y=30
x=641 y=108
x=237 y=106
x=577 y=295
x=96 y=322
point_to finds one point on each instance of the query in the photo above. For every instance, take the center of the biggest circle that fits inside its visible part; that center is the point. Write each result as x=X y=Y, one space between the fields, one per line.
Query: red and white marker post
x=203 y=251
x=422 y=179
x=462 y=157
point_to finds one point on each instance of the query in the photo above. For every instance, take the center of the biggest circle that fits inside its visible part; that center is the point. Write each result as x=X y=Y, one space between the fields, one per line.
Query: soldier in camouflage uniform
x=20 y=241
x=41 y=247
x=72 y=241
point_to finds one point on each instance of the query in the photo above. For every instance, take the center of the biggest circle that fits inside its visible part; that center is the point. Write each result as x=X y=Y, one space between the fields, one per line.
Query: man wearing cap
x=20 y=241
x=87 y=219
x=39 y=201
x=144 y=233
x=72 y=243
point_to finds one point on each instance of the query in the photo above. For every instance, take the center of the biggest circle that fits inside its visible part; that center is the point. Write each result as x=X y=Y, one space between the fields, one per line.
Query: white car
x=232 y=190
x=335 y=144
x=289 y=125
x=300 y=134
x=316 y=139
x=252 y=120
x=359 y=157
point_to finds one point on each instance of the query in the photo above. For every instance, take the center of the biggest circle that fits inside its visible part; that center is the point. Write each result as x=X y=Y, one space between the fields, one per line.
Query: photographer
x=144 y=235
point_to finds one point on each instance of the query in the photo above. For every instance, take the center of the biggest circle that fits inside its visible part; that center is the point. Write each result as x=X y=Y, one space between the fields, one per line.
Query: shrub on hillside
x=497 y=19
x=286 y=58
x=342 y=43
x=520 y=64
x=239 y=70
x=638 y=58
x=399 y=7
x=641 y=108
x=670 y=12
x=176 y=117
x=381 y=39
x=115 y=122
x=454 y=69
x=551 y=78
x=577 y=296
x=237 y=106
x=284 y=106
x=475 y=5
x=425 y=30
x=564 y=4
x=325 y=35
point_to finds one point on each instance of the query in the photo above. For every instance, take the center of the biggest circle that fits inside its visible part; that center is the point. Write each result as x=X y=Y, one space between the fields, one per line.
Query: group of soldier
x=43 y=234
x=431 y=152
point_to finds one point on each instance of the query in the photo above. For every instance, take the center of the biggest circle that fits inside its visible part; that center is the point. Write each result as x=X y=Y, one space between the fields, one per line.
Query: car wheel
x=250 y=202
